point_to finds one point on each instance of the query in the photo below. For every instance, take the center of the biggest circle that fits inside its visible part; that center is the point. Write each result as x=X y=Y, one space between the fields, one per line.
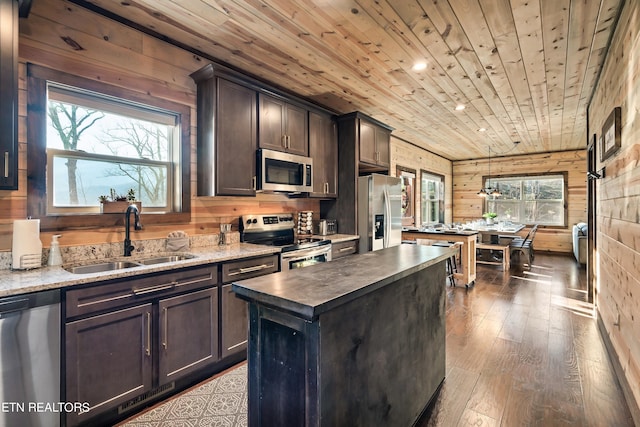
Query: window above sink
x=61 y=197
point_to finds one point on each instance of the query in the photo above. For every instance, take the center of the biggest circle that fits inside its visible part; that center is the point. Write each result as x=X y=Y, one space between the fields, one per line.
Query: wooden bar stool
x=452 y=264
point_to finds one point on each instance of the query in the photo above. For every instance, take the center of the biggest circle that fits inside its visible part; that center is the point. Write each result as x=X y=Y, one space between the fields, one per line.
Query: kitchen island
x=357 y=341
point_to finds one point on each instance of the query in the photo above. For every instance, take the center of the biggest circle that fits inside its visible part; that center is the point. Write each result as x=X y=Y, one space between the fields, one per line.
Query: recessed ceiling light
x=460 y=107
x=419 y=66
x=482 y=130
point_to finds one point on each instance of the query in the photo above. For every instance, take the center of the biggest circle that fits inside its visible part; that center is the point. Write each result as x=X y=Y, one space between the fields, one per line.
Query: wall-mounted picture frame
x=610 y=140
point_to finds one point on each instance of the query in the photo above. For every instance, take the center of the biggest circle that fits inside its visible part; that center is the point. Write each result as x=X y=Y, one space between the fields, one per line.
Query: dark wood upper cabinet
x=237 y=115
x=323 y=149
x=237 y=139
x=9 y=95
x=227 y=136
x=283 y=126
x=374 y=145
x=363 y=148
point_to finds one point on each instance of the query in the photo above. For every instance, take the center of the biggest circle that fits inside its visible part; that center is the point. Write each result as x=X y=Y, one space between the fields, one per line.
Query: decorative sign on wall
x=610 y=138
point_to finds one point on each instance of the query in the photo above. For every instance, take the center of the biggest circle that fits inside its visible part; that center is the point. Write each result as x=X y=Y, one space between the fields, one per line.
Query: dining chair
x=525 y=246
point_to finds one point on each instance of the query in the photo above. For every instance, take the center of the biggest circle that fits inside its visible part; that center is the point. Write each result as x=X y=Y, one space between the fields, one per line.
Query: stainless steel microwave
x=283 y=172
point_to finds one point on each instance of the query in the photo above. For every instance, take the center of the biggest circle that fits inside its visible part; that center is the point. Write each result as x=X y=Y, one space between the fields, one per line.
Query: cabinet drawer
x=121 y=292
x=343 y=248
x=248 y=268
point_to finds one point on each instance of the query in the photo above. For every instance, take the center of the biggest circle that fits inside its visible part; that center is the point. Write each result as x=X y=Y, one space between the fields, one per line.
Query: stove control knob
x=255 y=220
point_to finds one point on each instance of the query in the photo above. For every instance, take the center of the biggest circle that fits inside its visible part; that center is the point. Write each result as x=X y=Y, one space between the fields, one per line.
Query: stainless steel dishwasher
x=30 y=359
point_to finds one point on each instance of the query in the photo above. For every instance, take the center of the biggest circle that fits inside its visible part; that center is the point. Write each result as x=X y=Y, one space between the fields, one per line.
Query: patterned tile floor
x=219 y=402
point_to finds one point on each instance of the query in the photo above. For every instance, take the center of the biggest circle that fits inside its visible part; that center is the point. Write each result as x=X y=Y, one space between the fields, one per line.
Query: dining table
x=493 y=233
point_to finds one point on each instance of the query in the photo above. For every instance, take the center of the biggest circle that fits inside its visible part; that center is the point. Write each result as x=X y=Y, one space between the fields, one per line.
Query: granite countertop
x=45 y=278
x=312 y=290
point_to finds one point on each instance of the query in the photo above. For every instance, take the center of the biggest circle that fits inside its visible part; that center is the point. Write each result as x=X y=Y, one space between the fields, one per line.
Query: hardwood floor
x=524 y=349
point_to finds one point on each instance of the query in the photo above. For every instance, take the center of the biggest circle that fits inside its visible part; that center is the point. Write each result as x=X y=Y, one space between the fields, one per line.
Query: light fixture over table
x=488 y=191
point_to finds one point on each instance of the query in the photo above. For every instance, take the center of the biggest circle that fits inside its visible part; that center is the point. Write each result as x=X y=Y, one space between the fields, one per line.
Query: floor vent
x=143 y=398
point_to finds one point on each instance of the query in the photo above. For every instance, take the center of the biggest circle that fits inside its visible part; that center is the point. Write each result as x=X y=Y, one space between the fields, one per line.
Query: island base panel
x=377 y=360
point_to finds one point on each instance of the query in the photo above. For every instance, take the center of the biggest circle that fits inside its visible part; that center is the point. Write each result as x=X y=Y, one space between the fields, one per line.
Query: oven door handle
x=310 y=254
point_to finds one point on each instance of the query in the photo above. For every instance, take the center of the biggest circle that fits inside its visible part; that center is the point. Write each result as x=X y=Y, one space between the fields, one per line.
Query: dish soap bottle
x=55 y=257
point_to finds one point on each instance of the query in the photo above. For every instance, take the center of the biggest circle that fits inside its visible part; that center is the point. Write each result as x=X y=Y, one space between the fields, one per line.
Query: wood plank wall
x=118 y=55
x=468 y=179
x=617 y=239
x=409 y=156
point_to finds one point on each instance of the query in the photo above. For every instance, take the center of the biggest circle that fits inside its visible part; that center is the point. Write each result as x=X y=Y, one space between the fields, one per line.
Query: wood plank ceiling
x=523 y=69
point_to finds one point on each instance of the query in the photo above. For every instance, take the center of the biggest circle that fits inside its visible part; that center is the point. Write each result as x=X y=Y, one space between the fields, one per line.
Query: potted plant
x=489 y=217
x=118 y=203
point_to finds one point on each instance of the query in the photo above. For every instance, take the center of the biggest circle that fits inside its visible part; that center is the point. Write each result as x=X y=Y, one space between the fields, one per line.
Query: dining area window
x=533 y=199
x=431 y=198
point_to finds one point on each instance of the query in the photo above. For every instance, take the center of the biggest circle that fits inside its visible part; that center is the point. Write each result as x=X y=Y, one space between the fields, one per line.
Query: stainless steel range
x=278 y=230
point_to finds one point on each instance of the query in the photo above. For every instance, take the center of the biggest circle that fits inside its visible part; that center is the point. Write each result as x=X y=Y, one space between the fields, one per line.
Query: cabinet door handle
x=6 y=164
x=152 y=289
x=326 y=188
x=147 y=350
x=250 y=269
x=347 y=248
x=165 y=322
x=283 y=141
x=253 y=183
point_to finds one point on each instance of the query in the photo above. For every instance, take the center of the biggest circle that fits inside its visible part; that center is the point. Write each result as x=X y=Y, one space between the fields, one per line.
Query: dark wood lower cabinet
x=235 y=321
x=234 y=312
x=132 y=341
x=108 y=359
x=188 y=333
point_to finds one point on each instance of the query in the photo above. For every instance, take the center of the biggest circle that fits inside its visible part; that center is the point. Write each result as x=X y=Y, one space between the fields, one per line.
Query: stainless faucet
x=128 y=247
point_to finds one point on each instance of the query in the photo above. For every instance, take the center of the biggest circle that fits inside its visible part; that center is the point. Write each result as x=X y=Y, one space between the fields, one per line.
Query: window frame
x=565 y=190
x=37 y=80
x=441 y=200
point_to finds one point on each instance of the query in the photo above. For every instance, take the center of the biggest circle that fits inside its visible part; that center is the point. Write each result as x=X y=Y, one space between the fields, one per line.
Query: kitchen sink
x=102 y=266
x=163 y=259
x=97 y=267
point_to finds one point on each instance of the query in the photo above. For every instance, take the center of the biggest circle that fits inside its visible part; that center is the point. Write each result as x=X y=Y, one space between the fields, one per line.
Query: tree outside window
x=530 y=199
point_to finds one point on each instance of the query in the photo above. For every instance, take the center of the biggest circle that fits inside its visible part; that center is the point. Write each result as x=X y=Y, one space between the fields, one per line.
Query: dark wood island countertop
x=310 y=291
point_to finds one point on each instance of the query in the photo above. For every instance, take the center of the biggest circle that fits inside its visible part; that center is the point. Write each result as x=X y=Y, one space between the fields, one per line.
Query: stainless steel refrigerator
x=379 y=212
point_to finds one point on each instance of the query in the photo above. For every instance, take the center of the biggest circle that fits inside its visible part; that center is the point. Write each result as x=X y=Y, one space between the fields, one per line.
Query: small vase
x=490 y=221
